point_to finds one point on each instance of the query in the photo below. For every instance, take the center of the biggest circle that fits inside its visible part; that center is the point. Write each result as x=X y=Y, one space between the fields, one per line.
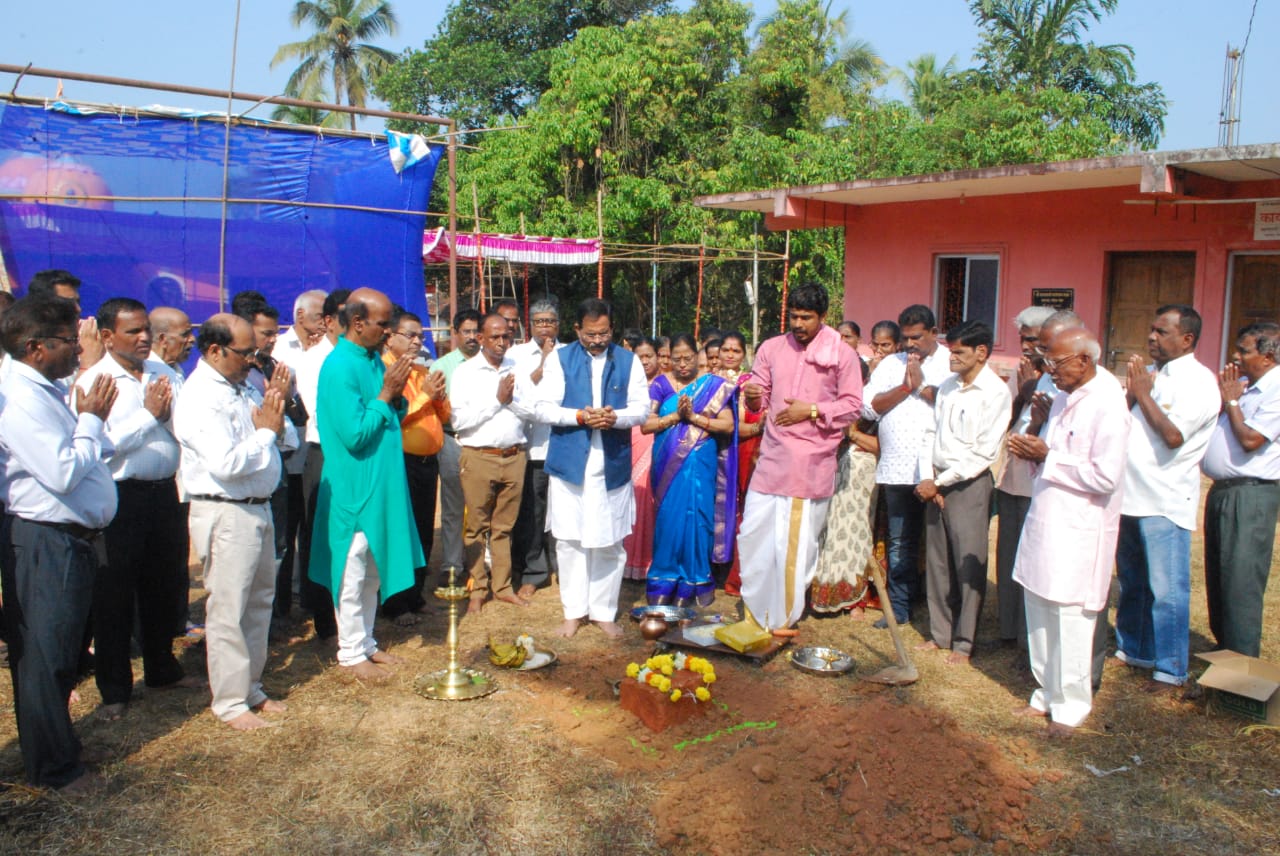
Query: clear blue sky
x=1179 y=43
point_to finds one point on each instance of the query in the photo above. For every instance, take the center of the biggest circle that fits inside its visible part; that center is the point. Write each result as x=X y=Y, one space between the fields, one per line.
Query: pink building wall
x=1044 y=240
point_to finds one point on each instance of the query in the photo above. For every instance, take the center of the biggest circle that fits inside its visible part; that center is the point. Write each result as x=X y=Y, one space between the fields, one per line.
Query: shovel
x=905 y=671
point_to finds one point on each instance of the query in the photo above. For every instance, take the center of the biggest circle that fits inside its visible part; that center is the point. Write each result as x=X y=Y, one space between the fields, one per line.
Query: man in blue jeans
x=1174 y=408
x=901 y=394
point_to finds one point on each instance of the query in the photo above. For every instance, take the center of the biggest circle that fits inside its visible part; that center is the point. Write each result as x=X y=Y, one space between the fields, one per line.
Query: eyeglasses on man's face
x=412 y=337
x=243 y=353
x=1054 y=365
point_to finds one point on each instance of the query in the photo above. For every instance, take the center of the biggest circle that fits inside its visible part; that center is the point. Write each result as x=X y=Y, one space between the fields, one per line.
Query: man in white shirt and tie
x=59 y=497
x=489 y=420
x=147 y=542
x=230 y=466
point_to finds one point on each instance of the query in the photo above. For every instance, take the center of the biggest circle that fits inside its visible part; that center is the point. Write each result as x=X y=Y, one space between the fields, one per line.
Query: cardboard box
x=1244 y=685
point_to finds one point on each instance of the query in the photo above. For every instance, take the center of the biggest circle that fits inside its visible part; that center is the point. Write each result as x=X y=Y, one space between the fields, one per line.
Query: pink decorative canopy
x=524 y=249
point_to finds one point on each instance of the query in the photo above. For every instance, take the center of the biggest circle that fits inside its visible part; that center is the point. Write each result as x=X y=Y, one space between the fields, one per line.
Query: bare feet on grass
x=610 y=628
x=366 y=672
x=957 y=658
x=1058 y=731
x=248 y=721
x=527 y=591
x=271 y=706
x=569 y=627
x=928 y=646
x=477 y=604
x=1030 y=711
x=385 y=659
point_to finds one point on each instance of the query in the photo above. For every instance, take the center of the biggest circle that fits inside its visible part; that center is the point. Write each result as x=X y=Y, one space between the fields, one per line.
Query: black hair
x=647 y=340
x=110 y=311
x=738 y=337
x=917 y=313
x=713 y=343
x=465 y=315
x=44 y=283
x=1188 y=319
x=1266 y=337
x=632 y=337
x=214 y=331
x=333 y=301
x=250 y=304
x=503 y=304
x=971 y=334
x=353 y=311
x=492 y=313
x=852 y=325
x=35 y=318
x=400 y=314
x=891 y=327
x=809 y=297
x=593 y=307
x=684 y=339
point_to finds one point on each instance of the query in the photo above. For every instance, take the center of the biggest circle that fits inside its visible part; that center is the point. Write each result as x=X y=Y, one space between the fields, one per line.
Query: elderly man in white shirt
x=172 y=338
x=532 y=547
x=960 y=447
x=901 y=394
x=230 y=466
x=147 y=542
x=490 y=418
x=59 y=496
x=1174 y=408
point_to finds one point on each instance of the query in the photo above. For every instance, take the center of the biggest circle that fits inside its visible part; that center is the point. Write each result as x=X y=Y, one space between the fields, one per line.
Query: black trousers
x=289 y=534
x=315 y=597
x=423 y=474
x=532 y=547
x=146 y=571
x=48 y=586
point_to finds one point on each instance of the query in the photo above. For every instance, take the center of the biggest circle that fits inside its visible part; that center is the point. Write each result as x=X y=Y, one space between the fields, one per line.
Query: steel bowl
x=673 y=615
x=822 y=661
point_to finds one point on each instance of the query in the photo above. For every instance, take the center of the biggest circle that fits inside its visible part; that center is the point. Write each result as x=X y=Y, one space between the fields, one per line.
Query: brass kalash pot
x=455 y=682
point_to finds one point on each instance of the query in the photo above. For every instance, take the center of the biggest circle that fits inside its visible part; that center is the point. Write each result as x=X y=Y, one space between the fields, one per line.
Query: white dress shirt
x=307 y=379
x=145 y=447
x=1019 y=474
x=1164 y=482
x=963 y=440
x=54 y=469
x=177 y=377
x=527 y=357
x=1260 y=406
x=479 y=419
x=589 y=513
x=223 y=454
x=289 y=348
x=902 y=429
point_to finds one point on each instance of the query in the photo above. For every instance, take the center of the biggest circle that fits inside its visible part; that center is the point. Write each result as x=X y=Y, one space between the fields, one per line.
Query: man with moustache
x=811 y=384
x=365 y=540
x=58 y=495
x=592 y=393
x=490 y=416
x=147 y=542
x=172 y=338
x=901 y=394
x=466 y=344
x=230 y=466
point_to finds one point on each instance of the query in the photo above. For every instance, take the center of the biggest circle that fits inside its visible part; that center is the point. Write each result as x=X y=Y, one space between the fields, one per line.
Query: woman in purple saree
x=694 y=478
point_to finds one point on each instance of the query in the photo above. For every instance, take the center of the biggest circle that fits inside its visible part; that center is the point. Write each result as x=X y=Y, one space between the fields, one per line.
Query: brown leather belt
x=508 y=452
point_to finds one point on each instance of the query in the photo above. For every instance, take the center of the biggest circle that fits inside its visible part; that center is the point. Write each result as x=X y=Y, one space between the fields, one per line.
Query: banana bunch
x=510 y=656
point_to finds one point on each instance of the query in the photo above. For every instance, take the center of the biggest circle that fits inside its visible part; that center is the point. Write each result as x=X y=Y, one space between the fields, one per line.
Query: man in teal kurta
x=365 y=539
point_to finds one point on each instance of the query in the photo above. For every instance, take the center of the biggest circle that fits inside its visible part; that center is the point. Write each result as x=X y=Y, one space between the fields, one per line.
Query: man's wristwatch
x=1235 y=402
x=813 y=412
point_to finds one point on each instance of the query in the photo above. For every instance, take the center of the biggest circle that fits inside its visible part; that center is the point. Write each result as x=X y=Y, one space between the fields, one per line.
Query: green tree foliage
x=337 y=53
x=492 y=58
x=644 y=116
x=1038 y=44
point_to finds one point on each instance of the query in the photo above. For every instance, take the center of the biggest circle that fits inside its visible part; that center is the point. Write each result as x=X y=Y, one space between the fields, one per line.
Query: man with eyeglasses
x=1174 y=408
x=230 y=464
x=365 y=542
x=59 y=496
x=1067 y=548
x=532 y=547
x=422 y=434
x=1243 y=460
x=592 y=392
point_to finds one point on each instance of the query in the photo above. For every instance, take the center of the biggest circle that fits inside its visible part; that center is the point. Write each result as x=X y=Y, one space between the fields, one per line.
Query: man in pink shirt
x=810 y=383
x=1069 y=536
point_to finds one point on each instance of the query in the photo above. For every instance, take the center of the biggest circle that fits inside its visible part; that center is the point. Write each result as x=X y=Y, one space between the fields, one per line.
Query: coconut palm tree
x=338 y=52
x=1039 y=43
x=926 y=84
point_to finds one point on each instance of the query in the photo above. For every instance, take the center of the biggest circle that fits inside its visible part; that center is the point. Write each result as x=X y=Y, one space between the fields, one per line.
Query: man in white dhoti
x=810 y=383
x=1069 y=537
x=591 y=394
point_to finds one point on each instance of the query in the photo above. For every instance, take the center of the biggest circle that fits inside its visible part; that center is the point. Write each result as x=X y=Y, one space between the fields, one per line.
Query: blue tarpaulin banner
x=132 y=205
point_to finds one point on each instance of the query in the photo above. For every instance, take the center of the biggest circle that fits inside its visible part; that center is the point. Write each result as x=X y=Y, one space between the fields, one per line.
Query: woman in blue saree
x=694 y=478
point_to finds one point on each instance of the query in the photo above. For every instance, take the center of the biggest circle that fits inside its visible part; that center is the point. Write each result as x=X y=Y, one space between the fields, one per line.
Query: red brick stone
x=655 y=708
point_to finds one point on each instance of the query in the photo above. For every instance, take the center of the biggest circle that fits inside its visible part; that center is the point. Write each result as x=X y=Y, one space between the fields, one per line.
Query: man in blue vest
x=592 y=393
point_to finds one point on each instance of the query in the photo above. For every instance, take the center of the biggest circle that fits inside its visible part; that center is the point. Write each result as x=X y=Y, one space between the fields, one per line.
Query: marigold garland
x=658 y=669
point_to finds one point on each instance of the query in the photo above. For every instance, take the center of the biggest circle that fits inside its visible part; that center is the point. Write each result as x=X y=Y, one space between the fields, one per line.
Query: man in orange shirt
x=422 y=432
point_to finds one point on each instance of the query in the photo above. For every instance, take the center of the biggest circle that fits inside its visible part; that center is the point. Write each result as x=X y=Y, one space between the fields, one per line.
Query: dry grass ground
x=548 y=764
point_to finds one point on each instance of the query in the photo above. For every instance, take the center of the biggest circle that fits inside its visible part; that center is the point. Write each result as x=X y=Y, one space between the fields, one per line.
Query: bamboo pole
x=697 y=313
x=786 y=281
x=600 y=235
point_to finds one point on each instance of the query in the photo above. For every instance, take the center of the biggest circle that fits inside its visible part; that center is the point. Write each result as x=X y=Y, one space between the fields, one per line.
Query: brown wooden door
x=1141 y=282
x=1255 y=293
